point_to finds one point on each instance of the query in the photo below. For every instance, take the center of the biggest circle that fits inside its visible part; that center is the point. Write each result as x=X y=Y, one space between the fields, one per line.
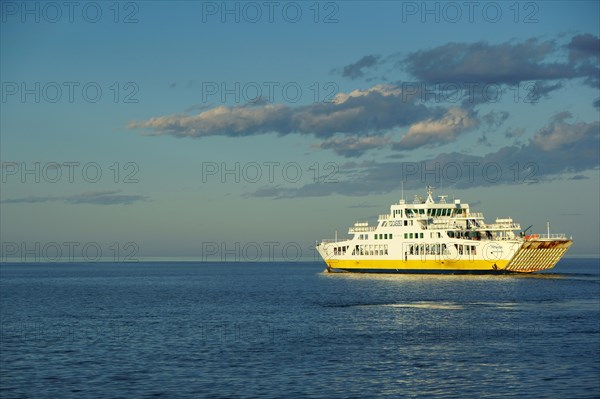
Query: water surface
x=182 y=330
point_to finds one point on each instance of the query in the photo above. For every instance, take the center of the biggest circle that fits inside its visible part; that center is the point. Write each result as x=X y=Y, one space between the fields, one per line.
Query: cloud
x=352 y=146
x=584 y=47
x=494 y=119
x=374 y=110
x=514 y=132
x=101 y=197
x=560 y=135
x=354 y=71
x=579 y=177
x=541 y=89
x=504 y=63
x=365 y=119
x=437 y=131
x=555 y=150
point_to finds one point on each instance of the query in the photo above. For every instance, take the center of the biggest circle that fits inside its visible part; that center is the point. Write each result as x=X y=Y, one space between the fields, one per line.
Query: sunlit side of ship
x=437 y=237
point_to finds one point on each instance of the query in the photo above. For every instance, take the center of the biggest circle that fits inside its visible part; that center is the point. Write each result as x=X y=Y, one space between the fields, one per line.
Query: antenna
x=402 y=186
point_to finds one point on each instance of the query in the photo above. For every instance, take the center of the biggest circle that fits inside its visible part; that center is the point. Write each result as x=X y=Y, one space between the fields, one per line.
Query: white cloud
x=560 y=134
x=441 y=130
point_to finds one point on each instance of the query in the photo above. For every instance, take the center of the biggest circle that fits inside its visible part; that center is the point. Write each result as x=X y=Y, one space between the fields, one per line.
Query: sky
x=248 y=130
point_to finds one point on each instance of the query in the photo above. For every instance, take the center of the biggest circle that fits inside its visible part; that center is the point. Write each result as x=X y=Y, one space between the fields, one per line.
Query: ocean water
x=191 y=330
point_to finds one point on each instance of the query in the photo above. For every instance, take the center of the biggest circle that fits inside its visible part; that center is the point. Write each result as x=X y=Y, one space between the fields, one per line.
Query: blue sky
x=247 y=123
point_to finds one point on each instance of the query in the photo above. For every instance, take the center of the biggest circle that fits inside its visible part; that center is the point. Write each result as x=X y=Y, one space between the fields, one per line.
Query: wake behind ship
x=437 y=237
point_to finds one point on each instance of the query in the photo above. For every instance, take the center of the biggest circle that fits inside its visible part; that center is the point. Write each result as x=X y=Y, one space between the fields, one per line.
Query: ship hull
x=526 y=257
x=417 y=266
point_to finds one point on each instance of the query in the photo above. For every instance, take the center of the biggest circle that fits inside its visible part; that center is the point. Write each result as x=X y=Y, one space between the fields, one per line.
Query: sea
x=291 y=330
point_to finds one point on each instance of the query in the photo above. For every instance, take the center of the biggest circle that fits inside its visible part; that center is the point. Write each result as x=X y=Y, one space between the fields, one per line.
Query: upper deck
x=427 y=214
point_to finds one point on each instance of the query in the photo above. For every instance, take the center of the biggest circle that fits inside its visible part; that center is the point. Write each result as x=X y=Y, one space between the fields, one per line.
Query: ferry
x=426 y=236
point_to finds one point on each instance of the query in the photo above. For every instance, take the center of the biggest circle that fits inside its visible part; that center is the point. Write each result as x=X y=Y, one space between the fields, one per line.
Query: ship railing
x=552 y=236
x=384 y=217
x=441 y=226
x=501 y=226
x=329 y=240
x=475 y=215
x=361 y=229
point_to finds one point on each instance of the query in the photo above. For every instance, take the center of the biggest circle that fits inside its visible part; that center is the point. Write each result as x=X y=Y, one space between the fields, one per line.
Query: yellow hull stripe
x=367 y=264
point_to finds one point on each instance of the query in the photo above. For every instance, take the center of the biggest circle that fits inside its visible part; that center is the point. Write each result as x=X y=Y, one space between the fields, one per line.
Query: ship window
x=376 y=236
x=411 y=235
x=421 y=235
